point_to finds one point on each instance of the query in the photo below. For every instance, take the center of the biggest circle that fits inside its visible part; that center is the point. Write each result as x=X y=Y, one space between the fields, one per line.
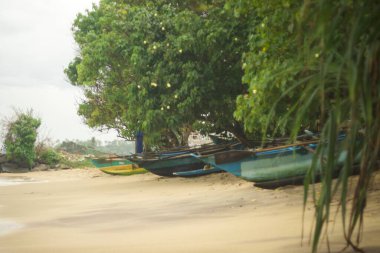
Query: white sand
x=84 y=210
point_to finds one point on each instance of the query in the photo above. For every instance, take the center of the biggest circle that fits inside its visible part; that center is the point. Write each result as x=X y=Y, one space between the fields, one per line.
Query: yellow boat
x=124 y=170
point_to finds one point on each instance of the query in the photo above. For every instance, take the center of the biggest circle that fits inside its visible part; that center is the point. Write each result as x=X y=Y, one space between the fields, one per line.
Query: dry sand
x=84 y=210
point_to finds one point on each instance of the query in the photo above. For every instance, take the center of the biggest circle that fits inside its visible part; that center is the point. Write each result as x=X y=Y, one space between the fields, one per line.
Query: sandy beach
x=85 y=210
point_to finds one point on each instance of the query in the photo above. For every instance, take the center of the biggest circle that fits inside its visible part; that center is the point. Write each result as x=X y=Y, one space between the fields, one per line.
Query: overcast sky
x=36 y=45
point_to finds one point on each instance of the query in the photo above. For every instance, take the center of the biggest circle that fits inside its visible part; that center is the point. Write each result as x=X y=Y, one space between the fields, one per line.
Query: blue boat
x=270 y=167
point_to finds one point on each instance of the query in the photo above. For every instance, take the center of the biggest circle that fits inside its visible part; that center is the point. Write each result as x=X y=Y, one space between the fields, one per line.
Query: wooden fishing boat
x=268 y=167
x=124 y=170
x=165 y=164
x=110 y=161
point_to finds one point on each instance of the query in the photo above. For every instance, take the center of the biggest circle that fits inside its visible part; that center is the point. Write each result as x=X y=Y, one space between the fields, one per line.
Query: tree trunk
x=185 y=133
x=172 y=138
x=237 y=130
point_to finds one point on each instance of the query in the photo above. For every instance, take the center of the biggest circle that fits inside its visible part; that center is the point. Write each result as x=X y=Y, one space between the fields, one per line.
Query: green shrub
x=76 y=163
x=49 y=156
x=21 y=135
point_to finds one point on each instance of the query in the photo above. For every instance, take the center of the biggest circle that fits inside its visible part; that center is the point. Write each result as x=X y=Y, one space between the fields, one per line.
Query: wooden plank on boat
x=232 y=156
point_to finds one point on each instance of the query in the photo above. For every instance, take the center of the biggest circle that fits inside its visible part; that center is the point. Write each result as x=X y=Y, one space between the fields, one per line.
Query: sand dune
x=84 y=210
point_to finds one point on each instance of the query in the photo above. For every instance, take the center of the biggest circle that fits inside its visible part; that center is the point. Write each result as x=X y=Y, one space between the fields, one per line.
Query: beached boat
x=268 y=167
x=165 y=164
x=110 y=161
x=124 y=170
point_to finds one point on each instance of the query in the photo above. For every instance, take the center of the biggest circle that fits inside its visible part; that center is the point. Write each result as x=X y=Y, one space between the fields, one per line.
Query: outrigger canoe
x=269 y=167
x=124 y=170
x=166 y=164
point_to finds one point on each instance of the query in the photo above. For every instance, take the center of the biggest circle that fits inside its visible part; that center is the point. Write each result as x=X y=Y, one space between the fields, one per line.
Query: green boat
x=110 y=161
x=270 y=167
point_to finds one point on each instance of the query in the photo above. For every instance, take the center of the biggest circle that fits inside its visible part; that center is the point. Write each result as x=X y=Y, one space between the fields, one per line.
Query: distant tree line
x=96 y=147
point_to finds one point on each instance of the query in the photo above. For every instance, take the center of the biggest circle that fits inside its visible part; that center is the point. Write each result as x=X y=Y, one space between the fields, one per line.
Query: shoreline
x=9 y=227
x=85 y=210
x=16 y=180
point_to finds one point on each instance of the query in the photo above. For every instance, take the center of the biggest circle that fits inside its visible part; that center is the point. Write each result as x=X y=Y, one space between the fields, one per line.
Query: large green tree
x=159 y=67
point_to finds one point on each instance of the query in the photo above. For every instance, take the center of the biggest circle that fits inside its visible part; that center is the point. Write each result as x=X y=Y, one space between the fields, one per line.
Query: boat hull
x=270 y=168
x=166 y=167
x=119 y=170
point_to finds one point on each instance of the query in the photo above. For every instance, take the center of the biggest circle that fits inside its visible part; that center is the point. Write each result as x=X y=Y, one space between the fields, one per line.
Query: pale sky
x=36 y=44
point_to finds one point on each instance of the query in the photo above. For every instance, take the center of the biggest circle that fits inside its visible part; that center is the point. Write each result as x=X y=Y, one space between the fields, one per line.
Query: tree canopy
x=160 y=68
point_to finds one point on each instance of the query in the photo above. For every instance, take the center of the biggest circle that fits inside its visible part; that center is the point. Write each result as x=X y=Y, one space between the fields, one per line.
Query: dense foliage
x=272 y=48
x=49 y=156
x=20 y=137
x=160 y=68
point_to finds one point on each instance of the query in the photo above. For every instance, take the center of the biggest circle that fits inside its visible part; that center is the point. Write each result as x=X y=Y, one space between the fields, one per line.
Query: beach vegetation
x=20 y=137
x=78 y=162
x=342 y=52
x=49 y=156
